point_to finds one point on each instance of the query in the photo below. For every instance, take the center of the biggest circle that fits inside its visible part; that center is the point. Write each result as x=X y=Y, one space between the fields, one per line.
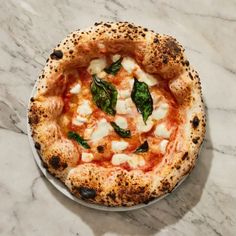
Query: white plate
x=63 y=189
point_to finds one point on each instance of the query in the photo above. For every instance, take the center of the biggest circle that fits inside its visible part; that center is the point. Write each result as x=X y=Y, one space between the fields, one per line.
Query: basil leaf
x=104 y=95
x=142 y=148
x=78 y=138
x=142 y=99
x=114 y=67
x=124 y=133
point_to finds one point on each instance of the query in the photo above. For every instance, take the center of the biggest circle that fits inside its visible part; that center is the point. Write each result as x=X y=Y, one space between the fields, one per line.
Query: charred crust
x=195 y=140
x=172 y=47
x=112 y=196
x=33 y=119
x=56 y=55
x=37 y=145
x=156 y=40
x=86 y=193
x=32 y=99
x=185 y=156
x=100 y=149
x=97 y=23
x=55 y=163
x=149 y=200
x=195 y=122
x=165 y=186
x=165 y=59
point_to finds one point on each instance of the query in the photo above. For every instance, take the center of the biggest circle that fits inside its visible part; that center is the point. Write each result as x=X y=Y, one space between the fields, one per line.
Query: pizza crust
x=156 y=54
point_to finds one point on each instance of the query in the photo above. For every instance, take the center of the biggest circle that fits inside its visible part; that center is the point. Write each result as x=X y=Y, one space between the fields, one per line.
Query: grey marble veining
x=205 y=204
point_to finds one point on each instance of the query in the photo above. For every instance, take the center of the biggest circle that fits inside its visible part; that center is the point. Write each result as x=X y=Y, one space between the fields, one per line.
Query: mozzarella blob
x=160 y=112
x=141 y=126
x=84 y=108
x=117 y=146
x=124 y=106
x=163 y=145
x=102 y=130
x=86 y=157
x=76 y=89
x=130 y=66
x=97 y=65
x=162 y=131
x=134 y=161
x=121 y=122
x=115 y=57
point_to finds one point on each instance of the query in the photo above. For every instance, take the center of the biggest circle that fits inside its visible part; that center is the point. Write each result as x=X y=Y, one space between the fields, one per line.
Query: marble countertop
x=205 y=204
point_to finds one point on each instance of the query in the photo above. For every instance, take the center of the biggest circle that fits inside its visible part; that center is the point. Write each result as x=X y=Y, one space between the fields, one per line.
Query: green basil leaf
x=114 y=67
x=78 y=138
x=142 y=99
x=142 y=148
x=104 y=95
x=124 y=133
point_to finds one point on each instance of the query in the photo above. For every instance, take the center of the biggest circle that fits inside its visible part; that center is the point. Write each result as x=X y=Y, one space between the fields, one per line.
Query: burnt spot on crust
x=195 y=140
x=156 y=40
x=86 y=192
x=55 y=163
x=195 y=122
x=100 y=149
x=37 y=145
x=112 y=195
x=165 y=59
x=165 y=186
x=149 y=200
x=185 y=156
x=32 y=99
x=33 y=119
x=56 y=55
x=172 y=47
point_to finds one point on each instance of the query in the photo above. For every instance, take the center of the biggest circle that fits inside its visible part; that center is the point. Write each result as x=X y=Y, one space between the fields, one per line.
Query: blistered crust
x=156 y=54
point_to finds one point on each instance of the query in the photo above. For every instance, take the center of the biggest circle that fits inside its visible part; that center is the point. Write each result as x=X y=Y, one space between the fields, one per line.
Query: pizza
x=118 y=114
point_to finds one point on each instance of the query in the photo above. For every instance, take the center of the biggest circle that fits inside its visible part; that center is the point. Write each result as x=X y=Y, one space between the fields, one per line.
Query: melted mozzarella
x=115 y=57
x=160 y=112
x=120 y=158
x=102 y=74
x=129 y=64
x=86 y=157
x=162 y=131
x=76 y=89
x=79 y=120
x=119 y=145
x=97 y=65
x=145 y=77
x=124 y=106
x=84 y=108
x=141 y=126
x=122 y=122
x=102 y=130
x=133 y=160
x=125 y=93
x=136 y=161
x=163 y=145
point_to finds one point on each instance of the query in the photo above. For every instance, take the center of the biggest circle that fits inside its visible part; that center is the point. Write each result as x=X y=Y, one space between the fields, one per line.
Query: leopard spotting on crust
x=157 y=54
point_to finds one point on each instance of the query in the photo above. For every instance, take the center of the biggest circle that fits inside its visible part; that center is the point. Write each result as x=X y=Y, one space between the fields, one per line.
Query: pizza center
x=119 y=115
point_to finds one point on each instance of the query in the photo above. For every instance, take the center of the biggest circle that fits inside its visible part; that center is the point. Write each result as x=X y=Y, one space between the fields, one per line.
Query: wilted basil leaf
x=124 y=133
x=142 y=148
x=78 y=138
x=104 y=95
x=114 y=67
x=142 y=99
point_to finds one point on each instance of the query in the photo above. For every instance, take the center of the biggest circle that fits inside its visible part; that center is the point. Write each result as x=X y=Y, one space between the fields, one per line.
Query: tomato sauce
x=71 y=102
